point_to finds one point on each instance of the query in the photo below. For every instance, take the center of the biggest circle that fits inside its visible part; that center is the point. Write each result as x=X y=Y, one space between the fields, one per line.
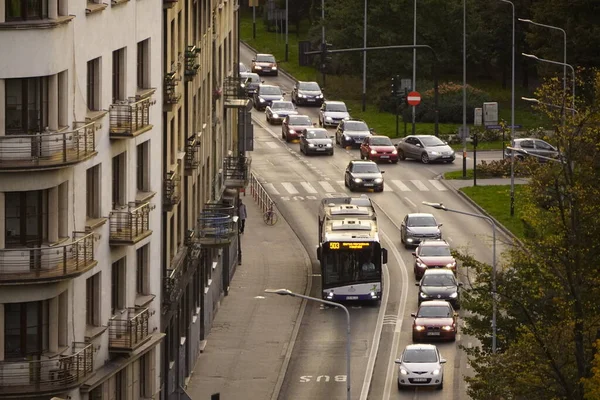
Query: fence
x=260 y=195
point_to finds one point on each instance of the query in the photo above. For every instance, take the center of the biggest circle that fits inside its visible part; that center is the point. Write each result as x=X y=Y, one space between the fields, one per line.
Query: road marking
x=401 y=185
x=308 y=187
x=327 y=186
x=289 y=187
x=410 y=202
x=271 y=188
x=272 y=145
x=341 y=183
x=420 y=185
x=386 y=188
x=436 y=184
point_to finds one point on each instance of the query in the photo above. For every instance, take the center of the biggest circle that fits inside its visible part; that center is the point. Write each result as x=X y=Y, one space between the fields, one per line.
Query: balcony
x=128 y=331
x=169 y=3
x=129 y=119
x=215 y=225
x=172 y=191
x=47 y=377
x=131 y=226
x=236 y=171
x=234 y=92
x=191 y=62
x=175 y=277
x=47 y=150
x=192 y=153
x=171 y=96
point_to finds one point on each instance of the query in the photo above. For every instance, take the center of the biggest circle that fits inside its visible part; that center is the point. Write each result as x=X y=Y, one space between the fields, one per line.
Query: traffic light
x=324 y=58
x=395 y=85
x=475 y=139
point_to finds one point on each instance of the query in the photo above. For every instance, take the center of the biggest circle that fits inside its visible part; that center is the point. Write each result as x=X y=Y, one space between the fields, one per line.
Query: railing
x=132 y=225
x=128 y=332
x=191 y=62
x=48 y=263
x=171 y=95
x=233 y=88
x=260 y=195
x=215 y=224
x=54 y=375
x=236 y=171
x=129 y=119
x=48 y=149
x=172 y=192
x=192 y=150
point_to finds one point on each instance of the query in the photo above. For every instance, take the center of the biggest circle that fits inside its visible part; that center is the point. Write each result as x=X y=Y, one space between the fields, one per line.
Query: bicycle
x=270 y=217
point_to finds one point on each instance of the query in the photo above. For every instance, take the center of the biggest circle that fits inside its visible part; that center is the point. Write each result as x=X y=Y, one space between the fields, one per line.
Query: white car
x=420 y=365
x=332 y=113
x=278 y=110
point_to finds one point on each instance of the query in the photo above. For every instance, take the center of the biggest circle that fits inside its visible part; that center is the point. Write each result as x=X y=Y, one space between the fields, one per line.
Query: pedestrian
x=242 y=214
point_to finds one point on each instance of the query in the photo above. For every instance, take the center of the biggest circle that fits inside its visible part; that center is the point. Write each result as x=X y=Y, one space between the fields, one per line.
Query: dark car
x=308 y=93
x=265 y=95
x=417 y=227
x=278 y=110
x=264 y=64
x=439 y=284
x=252 y=82
x=435 y=319
x=293 y=125
x=426 y=148
x=533 y=147
x=352 y=132
x=378 y=148
x=316 y=141
x=433 y=254
x=363 y=175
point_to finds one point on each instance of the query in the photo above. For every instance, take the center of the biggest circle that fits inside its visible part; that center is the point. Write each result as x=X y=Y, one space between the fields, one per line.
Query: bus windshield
x=346 y=266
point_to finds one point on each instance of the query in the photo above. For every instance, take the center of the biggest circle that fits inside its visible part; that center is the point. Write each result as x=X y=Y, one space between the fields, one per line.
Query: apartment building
x=205 y=168
x=81 y=194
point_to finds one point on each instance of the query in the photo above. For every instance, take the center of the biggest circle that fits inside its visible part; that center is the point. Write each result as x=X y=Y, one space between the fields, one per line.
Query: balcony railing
x=171 y=95
x=169 y=3
x=215 y=225
x=128 y=331
x=236 y=171
x=191 y=62
x=172 y=191
x=233 y=88
x=131 y=226
x=47 y=149
x=129 y=119
x=46 y=377
x=192 y=153
x=19 y=265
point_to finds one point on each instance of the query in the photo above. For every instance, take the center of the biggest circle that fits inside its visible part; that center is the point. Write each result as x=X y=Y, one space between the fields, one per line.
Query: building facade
x=81 y=194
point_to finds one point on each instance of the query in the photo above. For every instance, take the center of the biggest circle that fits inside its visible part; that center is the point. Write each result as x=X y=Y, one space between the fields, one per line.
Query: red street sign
x=413 y=98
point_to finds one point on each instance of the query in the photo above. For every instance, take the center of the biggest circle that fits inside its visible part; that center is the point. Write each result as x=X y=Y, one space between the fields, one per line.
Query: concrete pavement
x=248 y=348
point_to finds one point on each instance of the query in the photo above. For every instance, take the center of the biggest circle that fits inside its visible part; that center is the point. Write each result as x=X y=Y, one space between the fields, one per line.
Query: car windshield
x=282 y=105
x=355 y=126
x=365 y=168
x=434 y=251
x=270 y=90
x=312 y=86
x=336 y=107
x=438 y=280
x=243 y=67
x=265 y=58
x=381 y=141
x=414 y=356
x=301 y=120
x=422 y=221
x=253 y=77
x=316 y=135
x=434 y=312
x=431 y=141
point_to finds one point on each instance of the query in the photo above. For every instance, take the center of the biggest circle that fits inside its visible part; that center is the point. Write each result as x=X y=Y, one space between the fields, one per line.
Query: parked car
x=420 y=365
x=265 y=95
x=264 y=64
x=278 y=110
x=293 y=125
x=433 y=254
x=439 y=284
x=417 y=227
x=332 y=113
x=532 y=147
x=426 y=148
x=352 y=132
x=252 y=82
x=435 y=319
x=378 y=148
x=363 y=175
x=316 y=141
x=308 y=93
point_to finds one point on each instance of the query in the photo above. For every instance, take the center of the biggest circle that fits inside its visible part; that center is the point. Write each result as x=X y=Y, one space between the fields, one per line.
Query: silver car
x=533 y=147
x=278 y=110
x=420 y=365
x=427 y=148
x=332 y=113
x=417 y=227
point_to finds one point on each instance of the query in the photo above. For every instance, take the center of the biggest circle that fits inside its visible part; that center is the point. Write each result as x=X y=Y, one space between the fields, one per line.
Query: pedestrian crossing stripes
x=436 y=184
x=308 y=187
x=420 y=185
x=338 y=187
x=290 y=188
x=327 y=186
x=401 y=185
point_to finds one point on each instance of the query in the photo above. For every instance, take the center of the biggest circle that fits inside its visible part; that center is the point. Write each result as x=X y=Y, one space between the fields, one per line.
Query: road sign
x=462 y=133
x=493 y=127
x=413 y=98
x=515 y=126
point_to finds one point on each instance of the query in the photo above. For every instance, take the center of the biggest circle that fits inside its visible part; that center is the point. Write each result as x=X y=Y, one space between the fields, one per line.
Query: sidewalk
x=247 y=348
x=457 y=184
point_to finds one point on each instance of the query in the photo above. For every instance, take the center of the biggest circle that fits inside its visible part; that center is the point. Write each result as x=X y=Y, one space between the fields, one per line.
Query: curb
x=283 y=72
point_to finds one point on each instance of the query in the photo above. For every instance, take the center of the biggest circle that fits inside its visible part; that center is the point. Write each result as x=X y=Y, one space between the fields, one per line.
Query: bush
x=501 y=168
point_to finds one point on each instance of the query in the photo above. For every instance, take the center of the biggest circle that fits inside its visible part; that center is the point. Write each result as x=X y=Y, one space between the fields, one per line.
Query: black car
x=316 y=141
x=417 y=227
x=267 y=94
x=352 y=132
x=363 y=175
x=308 y=93
x=439 y=284
x=252 y=82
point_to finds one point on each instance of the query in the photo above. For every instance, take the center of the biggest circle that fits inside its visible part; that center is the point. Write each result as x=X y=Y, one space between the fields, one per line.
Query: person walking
x=242 y=214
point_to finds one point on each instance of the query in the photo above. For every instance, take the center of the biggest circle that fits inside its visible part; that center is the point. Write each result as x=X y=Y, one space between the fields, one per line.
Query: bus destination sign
x=349 y=245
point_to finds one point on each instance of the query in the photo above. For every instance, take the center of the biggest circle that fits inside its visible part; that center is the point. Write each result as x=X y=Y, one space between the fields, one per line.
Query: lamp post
x=364 y=88
x=253 y=21
x=440 y=206
x=286 y=292
x=464 y=89
x=286 y=30
x=323 y=46
x=536 y=101
x=414 y=74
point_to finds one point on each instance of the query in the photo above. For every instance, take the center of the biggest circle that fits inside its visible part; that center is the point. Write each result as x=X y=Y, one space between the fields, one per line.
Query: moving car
x=439 y=284
x=378 y=148
x=265 y=95
x=316 y=141
x=293 y=125
x=433 y=254
x=252 y=82
x=351 y=132
x=417 y=227
x=264 y=64
x=332 y=113
x=435 y=319
x=243 y=68
x=420 y=365
x=426 y=148
x=308 y=93
x=363 y=175
x=278 y=110
x=532 y=146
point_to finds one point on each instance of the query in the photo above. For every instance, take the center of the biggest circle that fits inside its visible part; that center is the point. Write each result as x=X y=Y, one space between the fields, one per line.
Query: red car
x=433 y=254
x=435 y=319
x=378 y=148
x=293 y=125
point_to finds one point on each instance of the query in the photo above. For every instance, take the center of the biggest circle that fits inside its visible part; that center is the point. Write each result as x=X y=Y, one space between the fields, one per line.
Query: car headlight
x=291 y=131
x=300 y=95
x=423 y=295
x=436 y=372
x=328 y=145
x=447 y=328
x=261 y=100
x=394 y=151
x=347 y=138
x=379 y=180
x=319 y=96
x=433 y=153
x=311 y=145
x=403 y=371
x=373 y=152
x=257 y=67
x=421 y=265
x=357 y=180
x=419 y=328
x=451 y=265
x=454 y=295
x=243 y=85
x=274 y=115
x=328 y=118
x=274 y=67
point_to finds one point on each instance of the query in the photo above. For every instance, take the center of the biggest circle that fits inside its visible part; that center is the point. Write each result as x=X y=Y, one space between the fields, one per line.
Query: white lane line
x=272 y=145
x=420 y=185
x=289 y=187
x=327 y=186
x=401 y=185
x=270 y=188
x=387 y=188
x=410 y=202
x=436 y=184
x=308 y=187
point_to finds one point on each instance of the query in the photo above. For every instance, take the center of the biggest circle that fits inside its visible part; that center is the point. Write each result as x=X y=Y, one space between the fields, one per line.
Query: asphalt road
x=317 y=368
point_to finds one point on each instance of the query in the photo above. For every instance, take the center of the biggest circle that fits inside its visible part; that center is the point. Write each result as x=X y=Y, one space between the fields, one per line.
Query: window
x=117 y=286
x=143 y=64
x=92 y=300
x=118 y=181
x=26 y=105
x=23 y=10
x=143 y=167
x=26 y=218
x=118 y=75
x=142 y=270
x=144 y=375
x=93 y=84
x=121 y=385
x=92 y=194
x=26 y=329
x=96 y=393
x=527 y=144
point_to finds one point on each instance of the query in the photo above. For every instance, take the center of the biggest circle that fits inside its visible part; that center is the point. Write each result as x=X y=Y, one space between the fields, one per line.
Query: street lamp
x=286 y=30
x=440 y=206
x=536 y=101
x=464 y=88
x=414 y=74
x=286 y=292
x=364 y=88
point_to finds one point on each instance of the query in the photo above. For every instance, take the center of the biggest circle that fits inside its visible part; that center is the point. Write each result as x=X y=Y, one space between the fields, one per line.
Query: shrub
x=501 y=168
